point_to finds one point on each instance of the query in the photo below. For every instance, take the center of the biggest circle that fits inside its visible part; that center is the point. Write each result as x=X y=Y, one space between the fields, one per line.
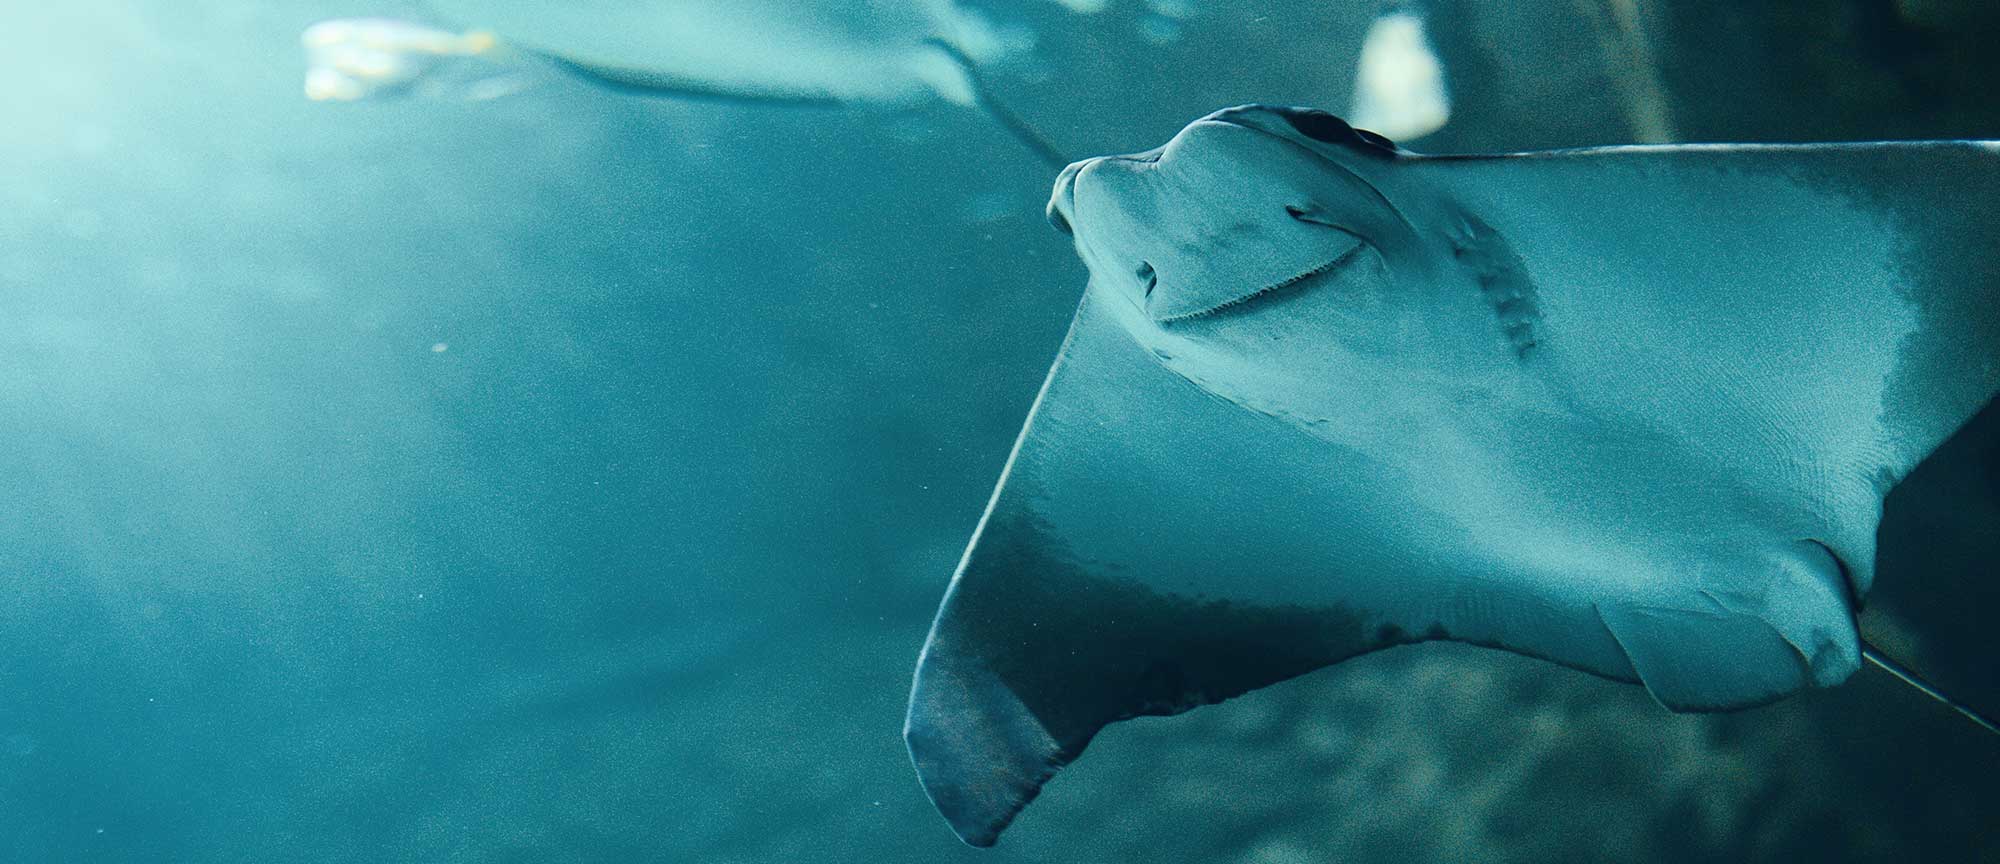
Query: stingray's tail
x=1894 y=667
x=982 y=95
x=1635 y=72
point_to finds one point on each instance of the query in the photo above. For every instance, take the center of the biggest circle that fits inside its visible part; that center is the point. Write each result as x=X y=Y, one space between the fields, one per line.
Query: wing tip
x=980 y=753
x=1712 y=660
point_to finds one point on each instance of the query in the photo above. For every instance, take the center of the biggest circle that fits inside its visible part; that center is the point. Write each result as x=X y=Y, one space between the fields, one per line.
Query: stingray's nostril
x=1310 y=214
x=1147 y=277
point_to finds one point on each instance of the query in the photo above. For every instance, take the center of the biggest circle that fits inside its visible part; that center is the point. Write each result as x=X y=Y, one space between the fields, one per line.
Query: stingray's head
x=1279 y=259
x=351 y=59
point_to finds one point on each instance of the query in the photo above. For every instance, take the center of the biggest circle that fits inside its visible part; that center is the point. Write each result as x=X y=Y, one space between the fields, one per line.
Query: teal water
x=570 y=477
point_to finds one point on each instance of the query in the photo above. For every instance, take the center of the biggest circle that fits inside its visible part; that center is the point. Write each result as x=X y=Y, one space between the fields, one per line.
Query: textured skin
x=1629 y=410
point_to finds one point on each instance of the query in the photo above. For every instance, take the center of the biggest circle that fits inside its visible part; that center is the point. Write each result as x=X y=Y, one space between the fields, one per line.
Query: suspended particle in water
x=1160 y=29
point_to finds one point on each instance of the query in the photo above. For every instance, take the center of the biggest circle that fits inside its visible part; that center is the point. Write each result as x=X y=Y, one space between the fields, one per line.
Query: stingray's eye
x=1326 y=129
x=1320 y=126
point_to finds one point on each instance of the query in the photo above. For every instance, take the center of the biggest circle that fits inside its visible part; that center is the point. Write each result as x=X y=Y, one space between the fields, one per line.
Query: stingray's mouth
x=1268 y=293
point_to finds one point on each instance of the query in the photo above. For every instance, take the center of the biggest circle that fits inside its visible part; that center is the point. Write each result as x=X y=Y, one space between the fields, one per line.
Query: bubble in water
x=991 y=206
x=1160 y=29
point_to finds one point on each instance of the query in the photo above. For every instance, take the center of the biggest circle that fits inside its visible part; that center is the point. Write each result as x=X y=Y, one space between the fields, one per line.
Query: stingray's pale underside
x=1631 y=410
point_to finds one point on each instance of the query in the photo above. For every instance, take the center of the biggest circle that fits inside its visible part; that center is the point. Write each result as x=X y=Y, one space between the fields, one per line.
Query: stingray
x=861 y=52
x=1632 y=410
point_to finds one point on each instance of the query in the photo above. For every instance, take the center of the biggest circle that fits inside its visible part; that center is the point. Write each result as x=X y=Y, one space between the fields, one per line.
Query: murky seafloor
x=572 y=477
